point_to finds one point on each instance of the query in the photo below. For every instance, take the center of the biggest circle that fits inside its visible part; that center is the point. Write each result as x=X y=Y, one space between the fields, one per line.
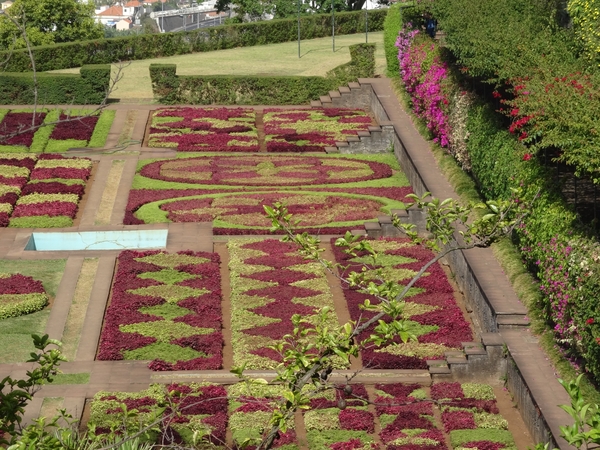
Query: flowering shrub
x=201 y=407
x=165 y=308
x=282 y=284
x=431 y=311
x=204 y=129
x=424 y=76
x=311 y=130
x=20 y=294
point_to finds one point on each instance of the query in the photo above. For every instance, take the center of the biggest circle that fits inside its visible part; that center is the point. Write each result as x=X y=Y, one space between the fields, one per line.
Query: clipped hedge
x=169 y=88
x=89 y=87
x=147 y=46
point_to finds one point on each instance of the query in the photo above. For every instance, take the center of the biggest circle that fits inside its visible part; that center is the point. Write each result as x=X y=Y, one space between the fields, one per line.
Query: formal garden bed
x=269 y=283
x=331 y=194
x=54 y=130
x=20 y=294
x=41 y=191
x=310 y=130
x=385 y=416
x=165 y=308
x=237 y=129
x=431 y=309
x=204 y=129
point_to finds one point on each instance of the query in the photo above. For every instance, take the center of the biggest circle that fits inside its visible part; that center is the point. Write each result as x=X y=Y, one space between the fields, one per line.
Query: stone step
x=344 y=90
x=365 y=134
x=352 y=138
x=342 y=144
x=374 y=129
x=358 y=232
x=473 y=348
x=329 y=150
x=325 y=100
x=512 y=321
x=354 y=85
x=492 y=340
x=373 y=230
x=335 y=94
x=316 y=103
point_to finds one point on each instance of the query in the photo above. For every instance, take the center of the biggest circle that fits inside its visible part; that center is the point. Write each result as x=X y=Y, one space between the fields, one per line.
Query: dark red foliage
x=50 y=209
x=17 y=123
x=357 y=419
x=53 y=187
x=458 y=420
x=80 y=128
x=29 y=163
x=20 y=284
x=453 y=328
x=13 y=181
x=9 y=197
x=4 y=219
x=60 y=172
x=348 y=445
x=446 y=390
x=124 y=309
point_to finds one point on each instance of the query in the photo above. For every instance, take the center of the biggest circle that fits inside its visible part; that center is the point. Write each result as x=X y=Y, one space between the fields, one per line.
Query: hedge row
x=88 y=88
x=171 y=89
x=147 y=46
x=552 y=241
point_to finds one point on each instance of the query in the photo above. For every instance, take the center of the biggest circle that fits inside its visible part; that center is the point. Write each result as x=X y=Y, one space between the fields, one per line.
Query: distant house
x=124 y=24
x=110 y=16
x=7 y=4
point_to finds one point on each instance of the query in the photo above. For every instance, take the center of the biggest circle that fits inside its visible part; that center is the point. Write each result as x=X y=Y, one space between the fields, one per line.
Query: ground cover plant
x=270 y=282
x=204 y=129
x=165 y=308
x=201 y=407
x=431 y=311
x=310 y=130
x=63 y=129
x=341 y=417
x=20 y=294
x=15 y=332
x=52 y=194
x=15 y=169
x=337 y=193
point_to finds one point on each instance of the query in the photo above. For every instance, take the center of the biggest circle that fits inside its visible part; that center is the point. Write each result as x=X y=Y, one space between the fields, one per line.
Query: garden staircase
x=377 y=139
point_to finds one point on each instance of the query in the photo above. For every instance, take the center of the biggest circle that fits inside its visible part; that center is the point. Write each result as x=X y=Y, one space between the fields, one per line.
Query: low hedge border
x=89 y=87
x=169 y=88
x=147 y=46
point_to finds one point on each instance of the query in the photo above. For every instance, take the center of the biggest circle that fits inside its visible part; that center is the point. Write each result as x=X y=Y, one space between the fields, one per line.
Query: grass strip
x=42 y=135
x=71 y=378
x=102 y=129
x=107 y=202
x=78 y=309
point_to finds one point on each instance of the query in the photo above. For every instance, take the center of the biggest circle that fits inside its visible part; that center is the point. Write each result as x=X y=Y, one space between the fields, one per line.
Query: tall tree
x=48 y=22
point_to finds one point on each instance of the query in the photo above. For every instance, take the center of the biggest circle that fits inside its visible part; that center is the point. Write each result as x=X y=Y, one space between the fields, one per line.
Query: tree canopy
x=48 y=22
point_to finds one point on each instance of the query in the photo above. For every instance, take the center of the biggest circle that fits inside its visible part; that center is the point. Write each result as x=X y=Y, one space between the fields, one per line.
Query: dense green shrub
x=392 y=26
x=90 y=87
x=146 y=46
x=169 y=88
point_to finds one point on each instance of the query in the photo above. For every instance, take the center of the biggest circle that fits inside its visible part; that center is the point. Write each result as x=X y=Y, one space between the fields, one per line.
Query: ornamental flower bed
x=14 y=125
x=310 y=130
x=431 y=310
x=204 y=129
x=250 y=408
x=270 y=282
x=52 y=194
x=470 y=415
x=202 y=407
x=406 y=419
x=14 y=173
x=20 y=294
x=165 y=308
x=340 y=421
x=62 y=130
x=258 y=170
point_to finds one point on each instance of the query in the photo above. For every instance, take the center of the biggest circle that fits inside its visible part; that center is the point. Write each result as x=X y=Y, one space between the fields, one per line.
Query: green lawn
x=317 y=57
x=15 y=333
